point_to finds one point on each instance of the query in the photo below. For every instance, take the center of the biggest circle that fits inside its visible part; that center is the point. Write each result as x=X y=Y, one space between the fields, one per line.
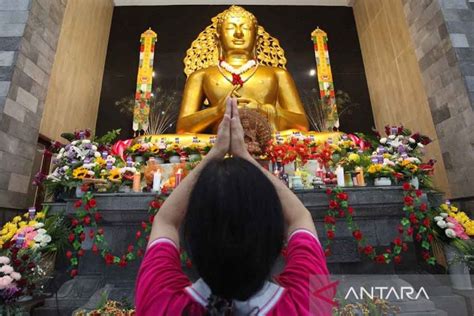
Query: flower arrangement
x=9 y=289
x=290 y=150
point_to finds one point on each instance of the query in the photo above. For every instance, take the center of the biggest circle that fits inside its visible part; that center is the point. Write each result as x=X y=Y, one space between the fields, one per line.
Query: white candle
x=340 y=176
x=156 y=181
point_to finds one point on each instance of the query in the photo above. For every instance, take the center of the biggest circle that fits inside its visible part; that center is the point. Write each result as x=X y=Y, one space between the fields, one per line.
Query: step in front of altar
x=377 y=212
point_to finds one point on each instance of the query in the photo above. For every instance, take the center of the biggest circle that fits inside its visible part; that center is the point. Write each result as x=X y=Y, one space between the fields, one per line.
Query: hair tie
x=218 y=306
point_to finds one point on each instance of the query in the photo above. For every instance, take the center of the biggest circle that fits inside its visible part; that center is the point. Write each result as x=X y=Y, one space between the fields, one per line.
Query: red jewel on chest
x=237 y=80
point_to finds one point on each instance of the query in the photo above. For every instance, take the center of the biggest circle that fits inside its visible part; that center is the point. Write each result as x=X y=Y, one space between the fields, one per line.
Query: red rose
x=189 y=264
x=74 y=222
x=91 y=234
x=413 y=218
x=109 y=259
x=357 y=234
x=404 y=247
x=68 y=254
x=330 y=234
x=31 y=265
x=388 y=250
x=342 y=196
x=406 y=186
x=426 y=222
x=397 y=241
x=84 y=187
x=144 y=225
x=164 y=191
x=138 y=234
x=333 y=204
x=151 y=218
x=82 y=236
x=139 y=253
x=100 y=231
x=71 y=237
x=397 y=259
x=95 y=249
x=73 y=272
x=80 y=253
x=426 y=255
x=350 y=210
x=92 y=203
x=418 y=237
x=87 y=207
x=410 y=231
x=87 y=220
x=368 y=250
x=327 y=252
x=430 y=237
x=380 y=259
x=423 y=207
x=130 y=248
x=155 y=204
x=418 y=193
x=400 y=229
x=78 y=204
x=16 y=262
x=329 y=219
x=408 y=200
x=97 y=216
x=341 y=213
x=122 y=263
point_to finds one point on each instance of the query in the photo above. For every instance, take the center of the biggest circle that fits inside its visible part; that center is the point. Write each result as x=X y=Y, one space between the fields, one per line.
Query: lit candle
x=340 y=176
x=32 y=212
x=360 y=176
x=156 y=181
x=136 y=182
x=178 y=177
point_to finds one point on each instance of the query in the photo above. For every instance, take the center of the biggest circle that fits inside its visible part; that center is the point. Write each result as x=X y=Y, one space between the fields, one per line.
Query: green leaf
x=74 y=262
x=431 y=261
x=116 y=259
x=405 y=222
x=425 y=244
x=76 y=245
x=422 y=229
x=344 y=204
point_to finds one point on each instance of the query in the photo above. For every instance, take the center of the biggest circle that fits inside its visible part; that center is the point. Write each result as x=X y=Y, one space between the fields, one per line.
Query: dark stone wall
x=178 y=26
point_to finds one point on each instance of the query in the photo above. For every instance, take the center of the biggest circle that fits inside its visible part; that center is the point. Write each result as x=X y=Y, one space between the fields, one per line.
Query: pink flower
x=458 y=229
x=15 y=275
x=4 y=260
x=7 y=269
x=5 y=282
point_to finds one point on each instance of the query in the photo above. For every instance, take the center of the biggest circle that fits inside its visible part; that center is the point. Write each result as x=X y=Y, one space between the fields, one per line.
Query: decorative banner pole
x=326 y=85
x=141 y=110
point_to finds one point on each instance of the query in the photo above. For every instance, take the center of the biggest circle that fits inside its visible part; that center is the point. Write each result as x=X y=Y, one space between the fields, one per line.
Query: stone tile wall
x=442 y=32
x=29 y=32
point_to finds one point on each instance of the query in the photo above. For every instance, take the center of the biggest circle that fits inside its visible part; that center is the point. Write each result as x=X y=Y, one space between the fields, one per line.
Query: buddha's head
x=237 y=30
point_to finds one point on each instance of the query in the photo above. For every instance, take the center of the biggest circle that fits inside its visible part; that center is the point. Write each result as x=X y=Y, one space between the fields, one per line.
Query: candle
x=393 y=130
x=348 y=179
x=156 y=181
x=136 y=182
x=32 y=212
x=355 y=181
x=340 y=176
x=178 y=177
x=360 y=176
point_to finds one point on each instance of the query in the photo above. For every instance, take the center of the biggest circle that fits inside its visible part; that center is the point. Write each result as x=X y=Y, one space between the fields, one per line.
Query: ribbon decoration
x=141 y=111
x=326 y=85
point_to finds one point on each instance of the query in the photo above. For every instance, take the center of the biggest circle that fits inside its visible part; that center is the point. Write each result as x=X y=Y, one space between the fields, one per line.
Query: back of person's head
x=234 y=228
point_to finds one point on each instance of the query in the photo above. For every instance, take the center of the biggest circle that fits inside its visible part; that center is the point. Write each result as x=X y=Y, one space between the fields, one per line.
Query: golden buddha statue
x=236 y=57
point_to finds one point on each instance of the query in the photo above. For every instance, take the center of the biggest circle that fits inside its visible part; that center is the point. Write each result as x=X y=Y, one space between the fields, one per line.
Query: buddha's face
x=237 y=33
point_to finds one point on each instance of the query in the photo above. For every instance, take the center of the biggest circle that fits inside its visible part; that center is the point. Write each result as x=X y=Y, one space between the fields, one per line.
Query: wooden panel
x=74 y=88
x=395 y=84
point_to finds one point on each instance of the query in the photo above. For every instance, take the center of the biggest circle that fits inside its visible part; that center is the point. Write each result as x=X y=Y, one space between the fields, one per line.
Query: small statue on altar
x=235 y=57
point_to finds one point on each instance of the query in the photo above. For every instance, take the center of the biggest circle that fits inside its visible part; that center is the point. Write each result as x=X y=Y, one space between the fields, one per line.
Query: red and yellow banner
x=141 y=110
x=326 y=85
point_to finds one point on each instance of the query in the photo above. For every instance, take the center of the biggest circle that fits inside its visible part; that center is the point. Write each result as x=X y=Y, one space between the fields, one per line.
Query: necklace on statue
x=236 y=79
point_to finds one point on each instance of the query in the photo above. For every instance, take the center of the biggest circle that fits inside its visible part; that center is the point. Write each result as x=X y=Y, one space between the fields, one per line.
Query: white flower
x=74 y=142
x=4 y=260
x=59 y=156
x=47 y=238
x=66 y=168
x=450 y=225
x=97 y=154
x=61 y=150
x=94 y=147
x=444 y=215
x=38 y=238
x=39 y=225
x=383 y=140
x=5 y=282
x=86 y=141
x=438 y=218
x=391 y=137
x=6 y=269
x=421 y=145
x=411 y=140
x=89 y=165
x=450 y=233
x=43 y=244
x=441 y=224
x=15 y=275
x=41 y=231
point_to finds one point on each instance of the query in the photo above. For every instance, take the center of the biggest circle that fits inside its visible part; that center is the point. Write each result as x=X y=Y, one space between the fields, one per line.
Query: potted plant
x=193 y=152
x=455 y=230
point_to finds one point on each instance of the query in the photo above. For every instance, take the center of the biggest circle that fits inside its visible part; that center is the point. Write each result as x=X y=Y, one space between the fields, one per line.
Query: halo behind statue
x=204 y=50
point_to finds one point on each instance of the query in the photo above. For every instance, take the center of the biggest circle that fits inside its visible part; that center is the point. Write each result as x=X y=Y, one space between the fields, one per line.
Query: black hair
x=234 y=228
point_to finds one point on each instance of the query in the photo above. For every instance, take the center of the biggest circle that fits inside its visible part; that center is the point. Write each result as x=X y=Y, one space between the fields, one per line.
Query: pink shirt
x=163 y=289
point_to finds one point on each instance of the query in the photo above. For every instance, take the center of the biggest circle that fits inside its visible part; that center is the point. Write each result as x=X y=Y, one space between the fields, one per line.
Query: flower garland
x=415 y=224
x=87 y=216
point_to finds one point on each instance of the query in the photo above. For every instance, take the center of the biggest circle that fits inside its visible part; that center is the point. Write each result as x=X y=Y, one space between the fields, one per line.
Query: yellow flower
x=374 y=168
x=405 y=162
x=135 y=147
x=387 y=155
x=154 y=149
x=354 y=157
x=39 y=215
x=16 y=219
x=115 y=174
x=444 y=207
x=21 y=224
x=100 y=161
x=79 y=173
x=32 y=223
x=454 y=209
